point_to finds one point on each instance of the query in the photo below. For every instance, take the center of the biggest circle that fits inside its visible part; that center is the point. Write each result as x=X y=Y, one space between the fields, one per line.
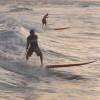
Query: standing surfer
x=44 y=21
x=32 y=46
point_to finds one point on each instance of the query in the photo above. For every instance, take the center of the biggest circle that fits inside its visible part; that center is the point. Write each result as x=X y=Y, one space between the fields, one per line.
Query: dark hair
x=32 y=31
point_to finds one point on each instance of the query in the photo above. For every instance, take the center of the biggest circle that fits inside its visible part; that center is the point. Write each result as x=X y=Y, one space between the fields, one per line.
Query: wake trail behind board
x=69 y=65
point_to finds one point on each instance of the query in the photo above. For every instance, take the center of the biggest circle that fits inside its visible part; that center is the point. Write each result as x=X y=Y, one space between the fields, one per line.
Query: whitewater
x=80 y=42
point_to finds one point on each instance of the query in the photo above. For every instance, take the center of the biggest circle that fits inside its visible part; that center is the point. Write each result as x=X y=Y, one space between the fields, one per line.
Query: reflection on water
x=66 y=75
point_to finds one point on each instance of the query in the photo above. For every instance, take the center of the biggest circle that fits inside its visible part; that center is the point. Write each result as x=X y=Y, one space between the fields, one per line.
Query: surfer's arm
x=27 y=45
x=46 y=16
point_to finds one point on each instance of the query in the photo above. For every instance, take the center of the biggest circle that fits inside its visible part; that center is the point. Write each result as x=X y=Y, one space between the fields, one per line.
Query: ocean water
x=80 y=42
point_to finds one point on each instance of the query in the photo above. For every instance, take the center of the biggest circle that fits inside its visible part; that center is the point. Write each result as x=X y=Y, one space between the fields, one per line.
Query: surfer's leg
x=39 y=53
x=42 y=25
x=27 y=57
x=29 y=53
x=45 y=24
x=41 y=58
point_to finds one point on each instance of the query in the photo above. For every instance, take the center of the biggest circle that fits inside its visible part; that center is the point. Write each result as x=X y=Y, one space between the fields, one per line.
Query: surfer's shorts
x=44 y=21
x=36 y=50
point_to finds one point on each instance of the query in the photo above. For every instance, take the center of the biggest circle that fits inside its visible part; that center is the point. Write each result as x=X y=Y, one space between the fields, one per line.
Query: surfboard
x=62 y=28
x=69 y=65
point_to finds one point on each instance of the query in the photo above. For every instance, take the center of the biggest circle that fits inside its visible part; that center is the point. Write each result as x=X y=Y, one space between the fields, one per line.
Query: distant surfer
x=44 y=20
x=32 y=46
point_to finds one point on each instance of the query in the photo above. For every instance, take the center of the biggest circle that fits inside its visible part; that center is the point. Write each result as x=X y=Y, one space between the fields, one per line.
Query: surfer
x=32 y=46
x=44 y=21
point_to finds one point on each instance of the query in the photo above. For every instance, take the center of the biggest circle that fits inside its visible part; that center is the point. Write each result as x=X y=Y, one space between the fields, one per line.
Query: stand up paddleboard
x=68 y=65
x=61 y=28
